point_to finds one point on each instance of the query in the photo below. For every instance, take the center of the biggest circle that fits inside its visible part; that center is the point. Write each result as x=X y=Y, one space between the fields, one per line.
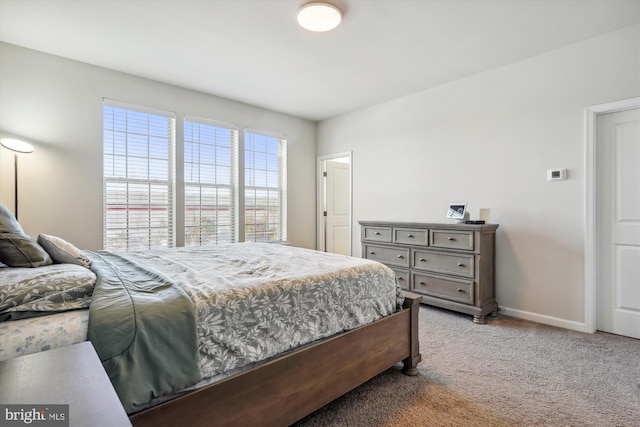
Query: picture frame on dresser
x=456 y=210
x=451 y=265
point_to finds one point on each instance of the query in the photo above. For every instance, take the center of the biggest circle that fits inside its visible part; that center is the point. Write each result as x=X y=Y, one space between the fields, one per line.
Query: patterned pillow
x=28 y=292
x=16 y=248
x=62 y=251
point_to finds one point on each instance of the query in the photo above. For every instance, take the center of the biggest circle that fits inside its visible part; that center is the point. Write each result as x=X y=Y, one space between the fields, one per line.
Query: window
x=138 y=175
x=235 y=185
x=265 y=187
x=210 y=182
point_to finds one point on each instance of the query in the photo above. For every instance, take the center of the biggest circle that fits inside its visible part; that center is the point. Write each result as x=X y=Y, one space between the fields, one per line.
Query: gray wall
x=56 y=103
x=488 y=140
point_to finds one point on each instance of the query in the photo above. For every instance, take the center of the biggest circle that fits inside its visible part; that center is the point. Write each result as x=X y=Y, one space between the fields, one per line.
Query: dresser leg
x=479 y=320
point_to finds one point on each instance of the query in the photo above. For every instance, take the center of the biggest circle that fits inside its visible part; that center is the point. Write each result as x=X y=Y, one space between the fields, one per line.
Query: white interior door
x=618 y=223
x=338 y=230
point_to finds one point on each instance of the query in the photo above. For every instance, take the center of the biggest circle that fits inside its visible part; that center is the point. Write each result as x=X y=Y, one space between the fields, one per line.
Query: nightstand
x=72 y=376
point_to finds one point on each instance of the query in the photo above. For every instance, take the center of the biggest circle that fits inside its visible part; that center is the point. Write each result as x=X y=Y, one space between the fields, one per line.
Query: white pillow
x=62 y=251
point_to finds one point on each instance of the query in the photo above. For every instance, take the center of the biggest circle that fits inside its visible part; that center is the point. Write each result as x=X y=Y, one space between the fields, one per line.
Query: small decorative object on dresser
x=458 y=211
x=452 y=265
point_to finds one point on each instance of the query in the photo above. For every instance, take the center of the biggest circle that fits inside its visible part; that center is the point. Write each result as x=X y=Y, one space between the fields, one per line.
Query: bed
x=312 y=352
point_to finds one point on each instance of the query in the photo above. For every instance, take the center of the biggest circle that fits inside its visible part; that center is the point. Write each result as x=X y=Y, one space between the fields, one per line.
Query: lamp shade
x=319 y=17
x=16 y=145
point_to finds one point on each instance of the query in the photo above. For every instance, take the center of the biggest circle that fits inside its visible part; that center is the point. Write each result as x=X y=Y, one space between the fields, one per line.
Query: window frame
x=233 y=179
x=110 y=221
x=280 y=190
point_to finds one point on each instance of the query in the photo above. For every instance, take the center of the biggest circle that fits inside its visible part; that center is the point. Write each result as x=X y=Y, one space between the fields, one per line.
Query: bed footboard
x=286 y=389
x=412 y=302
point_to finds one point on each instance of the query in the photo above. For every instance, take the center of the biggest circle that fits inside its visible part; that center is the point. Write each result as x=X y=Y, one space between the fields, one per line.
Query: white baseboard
x=547 y=320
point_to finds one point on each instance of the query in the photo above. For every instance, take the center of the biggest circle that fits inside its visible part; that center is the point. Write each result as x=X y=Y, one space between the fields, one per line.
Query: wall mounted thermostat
x=556 y=174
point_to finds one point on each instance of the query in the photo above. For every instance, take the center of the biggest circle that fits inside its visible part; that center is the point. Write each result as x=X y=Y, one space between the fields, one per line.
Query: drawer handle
x=461 y=290
x=460 y=264
x=401 y=279
x=423 y=284
x=423 y=260
x=450 y=238
x=410 y=236
x=400 y=256
x=377 y=233
x=372 y=253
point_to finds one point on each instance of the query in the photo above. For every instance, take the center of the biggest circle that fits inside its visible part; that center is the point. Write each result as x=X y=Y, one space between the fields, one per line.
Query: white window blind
x=138 y=177
x=265 y=186
x=210 y=182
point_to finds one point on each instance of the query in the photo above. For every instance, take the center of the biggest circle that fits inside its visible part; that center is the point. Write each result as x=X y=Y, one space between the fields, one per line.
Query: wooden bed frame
x=288 y=388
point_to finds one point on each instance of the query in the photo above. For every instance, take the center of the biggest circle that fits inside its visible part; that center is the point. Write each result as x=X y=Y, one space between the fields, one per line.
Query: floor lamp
x=16 y=146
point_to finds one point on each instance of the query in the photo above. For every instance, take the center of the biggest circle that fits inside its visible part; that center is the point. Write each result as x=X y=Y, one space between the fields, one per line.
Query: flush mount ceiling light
x=319 y=17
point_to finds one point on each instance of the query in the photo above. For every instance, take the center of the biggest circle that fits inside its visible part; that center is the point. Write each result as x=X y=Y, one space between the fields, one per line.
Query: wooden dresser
x=451 y=265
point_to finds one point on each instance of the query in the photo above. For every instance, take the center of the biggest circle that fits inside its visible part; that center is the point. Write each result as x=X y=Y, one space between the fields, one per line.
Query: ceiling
x=253 y=51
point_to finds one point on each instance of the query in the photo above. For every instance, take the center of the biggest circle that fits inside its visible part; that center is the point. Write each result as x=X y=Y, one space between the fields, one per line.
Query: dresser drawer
x=387 y=255
x=377 y=234
x=411 y=236
x=439 y=262
x=448 y=288
x=451 y=239
x=403 y=277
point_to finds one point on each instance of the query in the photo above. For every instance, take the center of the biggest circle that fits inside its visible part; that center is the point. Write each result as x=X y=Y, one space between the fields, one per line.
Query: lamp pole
x=17 y=146
x=15 y=183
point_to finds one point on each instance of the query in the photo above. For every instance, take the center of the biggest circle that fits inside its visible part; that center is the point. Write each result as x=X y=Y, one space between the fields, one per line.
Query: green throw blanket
x=143 y=329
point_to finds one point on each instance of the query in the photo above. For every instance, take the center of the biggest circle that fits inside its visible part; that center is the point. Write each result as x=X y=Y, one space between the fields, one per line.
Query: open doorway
x=334 y=203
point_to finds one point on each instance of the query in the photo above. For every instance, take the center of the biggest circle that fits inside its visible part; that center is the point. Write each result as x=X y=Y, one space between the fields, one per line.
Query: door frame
x=320 y=198
x=590 y=259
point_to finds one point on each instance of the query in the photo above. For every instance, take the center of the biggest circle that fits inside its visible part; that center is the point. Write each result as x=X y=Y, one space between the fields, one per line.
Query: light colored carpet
x=509 y=372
